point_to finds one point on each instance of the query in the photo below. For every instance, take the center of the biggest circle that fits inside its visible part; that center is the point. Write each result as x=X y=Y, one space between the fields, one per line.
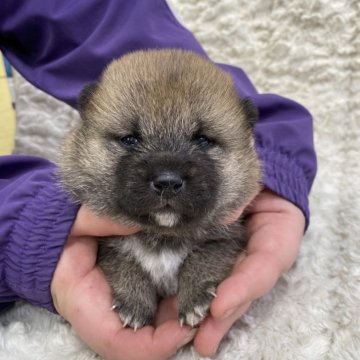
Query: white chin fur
x=166 y=219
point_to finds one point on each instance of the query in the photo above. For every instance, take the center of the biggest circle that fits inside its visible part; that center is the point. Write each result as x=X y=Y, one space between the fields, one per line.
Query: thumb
x=180 y=336
x=87 y=223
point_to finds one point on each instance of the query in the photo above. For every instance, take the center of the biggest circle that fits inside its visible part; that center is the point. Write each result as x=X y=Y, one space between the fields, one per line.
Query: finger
x=89 y=311
x=272 y=248
x=237 y=213
x=169 y=338
x=88 y=223
x=84 y=248
x=167 y=310
x=160 y=342
x=234 y=216
x=253 y=278
x=212 y=331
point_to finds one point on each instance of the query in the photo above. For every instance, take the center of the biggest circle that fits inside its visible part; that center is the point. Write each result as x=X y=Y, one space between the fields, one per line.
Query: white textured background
x=309 y=51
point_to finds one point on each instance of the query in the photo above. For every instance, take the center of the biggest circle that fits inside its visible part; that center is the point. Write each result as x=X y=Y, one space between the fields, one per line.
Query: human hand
x=83 y=297
x=275 y=228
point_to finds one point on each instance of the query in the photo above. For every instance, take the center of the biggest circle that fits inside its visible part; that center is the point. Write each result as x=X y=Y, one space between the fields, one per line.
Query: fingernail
x=189 y=337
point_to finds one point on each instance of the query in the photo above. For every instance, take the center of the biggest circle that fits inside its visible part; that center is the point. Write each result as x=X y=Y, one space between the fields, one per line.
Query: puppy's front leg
x=135 y=297
x=200 y=275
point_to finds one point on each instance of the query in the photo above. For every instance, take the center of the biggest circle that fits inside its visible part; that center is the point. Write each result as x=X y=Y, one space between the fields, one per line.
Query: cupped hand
x=275 y=227
x=83 y=297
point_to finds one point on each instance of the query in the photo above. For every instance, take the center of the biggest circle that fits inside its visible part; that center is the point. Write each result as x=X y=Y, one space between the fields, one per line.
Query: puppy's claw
x=199 y=311
x=126 y=323
x=212 y=292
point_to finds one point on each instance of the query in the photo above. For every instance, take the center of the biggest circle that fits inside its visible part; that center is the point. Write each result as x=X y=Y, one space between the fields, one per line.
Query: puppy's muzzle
x=167 y=183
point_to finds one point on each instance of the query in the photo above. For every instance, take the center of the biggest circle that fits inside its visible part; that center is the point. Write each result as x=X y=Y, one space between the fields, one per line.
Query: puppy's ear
x=85 y=95
x=251 y=112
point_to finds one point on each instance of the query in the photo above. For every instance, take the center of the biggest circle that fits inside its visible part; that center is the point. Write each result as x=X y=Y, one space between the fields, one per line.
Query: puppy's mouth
x=166 y=216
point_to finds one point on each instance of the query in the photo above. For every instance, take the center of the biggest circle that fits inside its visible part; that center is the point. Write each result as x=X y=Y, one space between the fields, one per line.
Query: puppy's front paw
x=133 y=313
x=194 y=304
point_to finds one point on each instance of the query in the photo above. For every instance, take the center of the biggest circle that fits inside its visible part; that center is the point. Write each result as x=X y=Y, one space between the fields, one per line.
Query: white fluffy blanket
x=307 y=50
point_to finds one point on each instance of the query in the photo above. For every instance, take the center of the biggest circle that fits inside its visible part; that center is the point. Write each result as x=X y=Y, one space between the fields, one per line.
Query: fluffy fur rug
x=307 y=50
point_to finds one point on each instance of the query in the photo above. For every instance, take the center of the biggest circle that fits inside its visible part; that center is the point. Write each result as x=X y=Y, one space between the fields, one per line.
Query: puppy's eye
x=203 y=141
x=130 y=141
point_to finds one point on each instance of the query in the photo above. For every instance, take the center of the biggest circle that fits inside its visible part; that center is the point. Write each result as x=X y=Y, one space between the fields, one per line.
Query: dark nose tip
x=167 y=182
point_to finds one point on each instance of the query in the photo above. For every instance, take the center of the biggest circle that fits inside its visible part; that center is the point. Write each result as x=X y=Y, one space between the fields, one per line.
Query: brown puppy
x=165 y=142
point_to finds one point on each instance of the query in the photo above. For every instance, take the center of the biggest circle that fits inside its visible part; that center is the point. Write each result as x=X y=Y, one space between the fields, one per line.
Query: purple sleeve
x=60 y=46
x=35 y=219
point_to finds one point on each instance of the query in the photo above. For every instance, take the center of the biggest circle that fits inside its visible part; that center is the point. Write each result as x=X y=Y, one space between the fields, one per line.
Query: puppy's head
x=164 y=141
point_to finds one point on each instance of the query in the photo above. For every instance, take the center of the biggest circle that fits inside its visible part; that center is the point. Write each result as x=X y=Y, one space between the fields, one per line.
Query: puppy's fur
x=165 y=142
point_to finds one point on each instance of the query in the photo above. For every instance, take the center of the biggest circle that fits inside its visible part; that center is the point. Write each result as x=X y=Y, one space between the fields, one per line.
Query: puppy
x=165 y=143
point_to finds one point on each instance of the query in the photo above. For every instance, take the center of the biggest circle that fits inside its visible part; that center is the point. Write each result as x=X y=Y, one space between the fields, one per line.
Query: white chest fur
x=163 y=267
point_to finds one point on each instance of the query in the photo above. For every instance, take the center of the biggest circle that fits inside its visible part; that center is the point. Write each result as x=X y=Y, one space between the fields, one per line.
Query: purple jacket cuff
x=285 y=177
x=284 y=140
x=33 y=235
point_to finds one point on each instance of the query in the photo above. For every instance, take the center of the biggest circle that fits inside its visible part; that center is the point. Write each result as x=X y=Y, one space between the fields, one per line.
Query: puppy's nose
x=167 y=182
